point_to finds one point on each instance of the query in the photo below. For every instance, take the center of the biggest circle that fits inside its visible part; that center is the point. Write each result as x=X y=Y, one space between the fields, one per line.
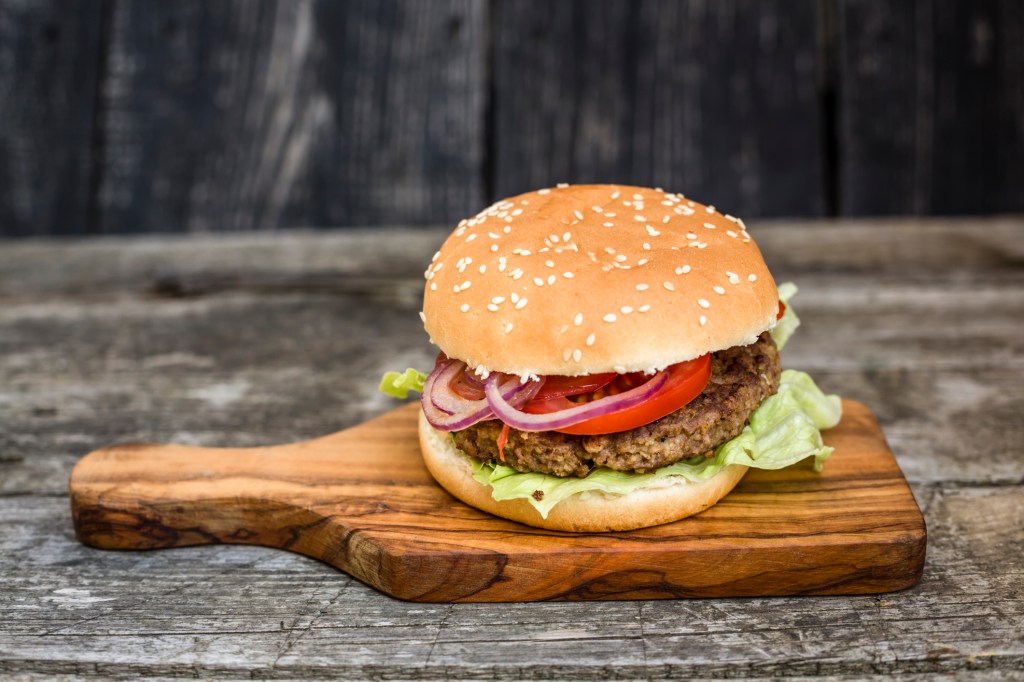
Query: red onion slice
x=447 y=411
x=507 y=412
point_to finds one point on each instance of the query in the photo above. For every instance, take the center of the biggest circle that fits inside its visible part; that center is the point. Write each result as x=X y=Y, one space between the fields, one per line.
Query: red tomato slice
x=782 y=310
x=559 y=386
x=685 y=382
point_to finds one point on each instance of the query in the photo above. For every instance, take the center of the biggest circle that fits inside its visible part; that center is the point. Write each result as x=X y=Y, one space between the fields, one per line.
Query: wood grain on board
x=362 y=501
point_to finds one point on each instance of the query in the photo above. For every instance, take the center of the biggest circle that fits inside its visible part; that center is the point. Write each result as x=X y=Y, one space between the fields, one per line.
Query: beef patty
x=741 y=378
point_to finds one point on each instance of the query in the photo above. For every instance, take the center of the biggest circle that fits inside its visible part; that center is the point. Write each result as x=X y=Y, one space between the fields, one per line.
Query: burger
x=609 y=360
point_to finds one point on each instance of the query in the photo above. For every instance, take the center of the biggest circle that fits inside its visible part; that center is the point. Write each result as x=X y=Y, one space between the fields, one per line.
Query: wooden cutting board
x=361 y=500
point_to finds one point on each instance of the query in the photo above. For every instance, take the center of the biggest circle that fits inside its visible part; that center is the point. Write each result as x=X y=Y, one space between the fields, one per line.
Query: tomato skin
x=782 y=311
x=685 y=382
x=559 y=386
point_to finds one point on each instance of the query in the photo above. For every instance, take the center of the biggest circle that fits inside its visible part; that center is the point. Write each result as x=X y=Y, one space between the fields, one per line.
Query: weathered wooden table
x=260 y=339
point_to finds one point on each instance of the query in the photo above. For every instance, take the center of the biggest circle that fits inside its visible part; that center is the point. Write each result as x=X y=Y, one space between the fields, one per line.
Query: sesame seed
x=551 y=279
x=562 y=185
x=549 y=263
x=508 y=327
x=493 y=308
x=608 y=224
x=483 y=269
x=591 y=339
x=538 y=281
x=465 y=285
x=620 y=258
x=543 y=191
x=423 y=317
x=621 y=369
x=433 y=286
x=566 y=354
x=626 y=310
x=651 y=231
x=471 y=237
x=498 y=299
x=644 y=308
x=669 y=286
x=666 y=203
x=642 y=261
x=516 y=274
x=597 y=209
x=578 y=213
x=494 y=247
x=647 y=247
x=577 y=354
x=752 y=278
x=683 y=270
x=610 y=317
x=518 y=211
x=567 y=236
x=521 y=304
x=464 y=307
x=615 y=194
x=691 y=235
x=642 y=287
x=666 y=219
x=731 y=234
x=515 y=297
x=553 y=238
x=640 y=218
x=703 y=303
x=710 y=209
x=733 y=277
x=710 y=226
x=567 y=275
x=506 y=229
x=703 y=320
x=578 y=320
x=719 y=290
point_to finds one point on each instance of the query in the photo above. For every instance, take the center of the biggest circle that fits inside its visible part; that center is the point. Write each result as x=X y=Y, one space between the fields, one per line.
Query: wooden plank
x=715 y=100
x=253 y=115
x=931 y=104
x=50 y=56
x=933 y=252
x=919 y=319
x=233 y=611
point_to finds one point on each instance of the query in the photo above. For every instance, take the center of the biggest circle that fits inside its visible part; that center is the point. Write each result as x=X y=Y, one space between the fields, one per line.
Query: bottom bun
x=587 y=512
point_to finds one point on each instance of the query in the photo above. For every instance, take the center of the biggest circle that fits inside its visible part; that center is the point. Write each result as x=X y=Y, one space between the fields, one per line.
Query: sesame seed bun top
x=583 y=279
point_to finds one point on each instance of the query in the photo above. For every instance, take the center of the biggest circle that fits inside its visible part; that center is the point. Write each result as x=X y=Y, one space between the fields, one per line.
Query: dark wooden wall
x=121 y=116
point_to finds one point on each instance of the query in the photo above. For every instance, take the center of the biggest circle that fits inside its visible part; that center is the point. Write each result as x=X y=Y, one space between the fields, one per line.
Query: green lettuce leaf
x=785 y=327
x=398 y=385
x=782 y=431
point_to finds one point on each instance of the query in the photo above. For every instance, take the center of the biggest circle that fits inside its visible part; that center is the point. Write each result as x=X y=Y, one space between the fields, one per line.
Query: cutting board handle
x=148 y=496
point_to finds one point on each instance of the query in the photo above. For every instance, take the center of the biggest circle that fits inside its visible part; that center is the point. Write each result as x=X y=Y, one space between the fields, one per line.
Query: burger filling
x=741 y=378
